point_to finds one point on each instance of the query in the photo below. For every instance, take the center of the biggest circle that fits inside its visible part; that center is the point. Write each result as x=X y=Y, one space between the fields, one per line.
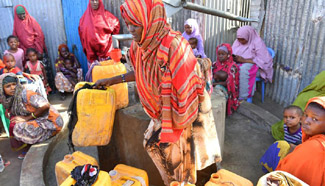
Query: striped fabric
x=168 y=87
x=294 y=138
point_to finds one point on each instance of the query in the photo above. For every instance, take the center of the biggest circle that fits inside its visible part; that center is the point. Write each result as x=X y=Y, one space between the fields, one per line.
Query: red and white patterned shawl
x=168 y=87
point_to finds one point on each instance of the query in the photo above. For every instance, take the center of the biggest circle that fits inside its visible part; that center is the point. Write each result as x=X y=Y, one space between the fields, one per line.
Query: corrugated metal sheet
x=49 y=15
x=176 y=21
x=6 y=28
x=5 y=3
x=220 y=30
x=295 y=30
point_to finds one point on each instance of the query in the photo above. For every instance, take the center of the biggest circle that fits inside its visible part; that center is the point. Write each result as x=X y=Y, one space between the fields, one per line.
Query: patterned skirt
x=63 y=84
x=197 y=148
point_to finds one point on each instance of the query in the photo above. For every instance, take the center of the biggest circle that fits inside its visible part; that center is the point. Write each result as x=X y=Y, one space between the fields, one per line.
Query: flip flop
x=7 y=163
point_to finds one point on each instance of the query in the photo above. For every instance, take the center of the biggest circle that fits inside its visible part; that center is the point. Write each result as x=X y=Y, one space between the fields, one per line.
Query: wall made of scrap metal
x=295 y=30
x=220 y=30
x=176 y=21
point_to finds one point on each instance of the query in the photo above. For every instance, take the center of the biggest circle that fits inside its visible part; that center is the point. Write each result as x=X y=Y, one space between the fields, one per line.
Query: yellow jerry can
x=103 y=179
x=96 y=112
x=226 y=178
x=108 y=69
x=63 y=168
x=127 y=175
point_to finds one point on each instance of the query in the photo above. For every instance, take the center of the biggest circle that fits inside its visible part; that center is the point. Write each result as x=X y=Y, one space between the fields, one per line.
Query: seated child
x=292 y=126
x=220 y=82
x=18 y=53
x=34 y=66
x=10 y=65
x=292 y=137
x=193 y=42
x=307 y=161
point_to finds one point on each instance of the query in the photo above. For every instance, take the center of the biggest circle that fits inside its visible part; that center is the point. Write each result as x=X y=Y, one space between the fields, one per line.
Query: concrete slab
x=245 y=143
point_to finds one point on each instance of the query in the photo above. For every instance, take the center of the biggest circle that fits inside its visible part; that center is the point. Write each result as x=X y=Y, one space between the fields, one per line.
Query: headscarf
x=231 y=68
x=13 y=103
x=318 y=100
x=96 y=28
x=254 y=49
x=307 y=161
x=168 y=87
x=29 y=32
x=20 y=10
x=196 y=34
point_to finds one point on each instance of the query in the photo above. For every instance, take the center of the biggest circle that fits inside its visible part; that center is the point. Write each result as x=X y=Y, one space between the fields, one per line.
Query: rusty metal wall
x=295 y=30
x=220 y=30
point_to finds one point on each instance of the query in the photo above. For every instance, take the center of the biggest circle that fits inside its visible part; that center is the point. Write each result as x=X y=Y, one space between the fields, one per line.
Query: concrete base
x=126 y=144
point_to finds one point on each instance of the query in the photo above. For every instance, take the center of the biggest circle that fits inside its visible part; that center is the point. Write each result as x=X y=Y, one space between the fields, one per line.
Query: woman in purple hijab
x=192 y=31
x=251 y=56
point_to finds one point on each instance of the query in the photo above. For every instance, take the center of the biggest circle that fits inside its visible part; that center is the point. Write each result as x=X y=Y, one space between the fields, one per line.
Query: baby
x=70 y=72
x=220 y=82
x=193 y=42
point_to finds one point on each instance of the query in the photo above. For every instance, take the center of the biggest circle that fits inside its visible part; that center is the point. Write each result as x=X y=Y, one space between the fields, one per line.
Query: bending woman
x=29 y=32
x=32 y=118
x=192 y=31
x=251 y=55
x=96 y=28
x=68 y=71
x=181 y=137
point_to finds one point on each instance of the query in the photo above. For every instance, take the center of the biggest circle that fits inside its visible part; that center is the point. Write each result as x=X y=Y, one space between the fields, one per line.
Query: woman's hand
x=239 y=59
x=20 y=119
x=102 y=83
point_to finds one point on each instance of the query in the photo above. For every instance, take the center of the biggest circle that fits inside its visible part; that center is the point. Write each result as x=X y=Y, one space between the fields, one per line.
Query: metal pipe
x=120 y=37
x=203 y=9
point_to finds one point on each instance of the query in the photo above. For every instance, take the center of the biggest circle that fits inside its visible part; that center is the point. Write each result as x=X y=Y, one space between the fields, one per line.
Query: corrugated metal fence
x=220 y=30
x=295 y=30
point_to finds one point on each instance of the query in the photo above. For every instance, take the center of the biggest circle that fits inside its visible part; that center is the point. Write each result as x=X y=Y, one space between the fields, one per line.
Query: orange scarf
x=168 y=87
x=307 y=161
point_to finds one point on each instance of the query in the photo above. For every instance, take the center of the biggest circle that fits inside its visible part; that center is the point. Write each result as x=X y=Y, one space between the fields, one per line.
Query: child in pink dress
x=34 y=66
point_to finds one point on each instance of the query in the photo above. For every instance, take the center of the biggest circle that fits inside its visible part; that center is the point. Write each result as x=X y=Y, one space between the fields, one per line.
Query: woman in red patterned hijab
x=28 y=31
x=96 y=28
x=171 y=92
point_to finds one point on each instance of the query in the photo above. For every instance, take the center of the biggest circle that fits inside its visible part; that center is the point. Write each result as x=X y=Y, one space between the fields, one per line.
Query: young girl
x=191 y=28
x=225 y=63
x=18 y=53
x=307 y=161
x=34 y=66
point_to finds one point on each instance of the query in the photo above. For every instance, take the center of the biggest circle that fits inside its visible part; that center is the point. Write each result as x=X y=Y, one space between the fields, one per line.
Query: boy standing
x=18 y=53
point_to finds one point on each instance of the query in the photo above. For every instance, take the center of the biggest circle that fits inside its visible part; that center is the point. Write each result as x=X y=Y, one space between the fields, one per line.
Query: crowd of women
x=174 y=78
